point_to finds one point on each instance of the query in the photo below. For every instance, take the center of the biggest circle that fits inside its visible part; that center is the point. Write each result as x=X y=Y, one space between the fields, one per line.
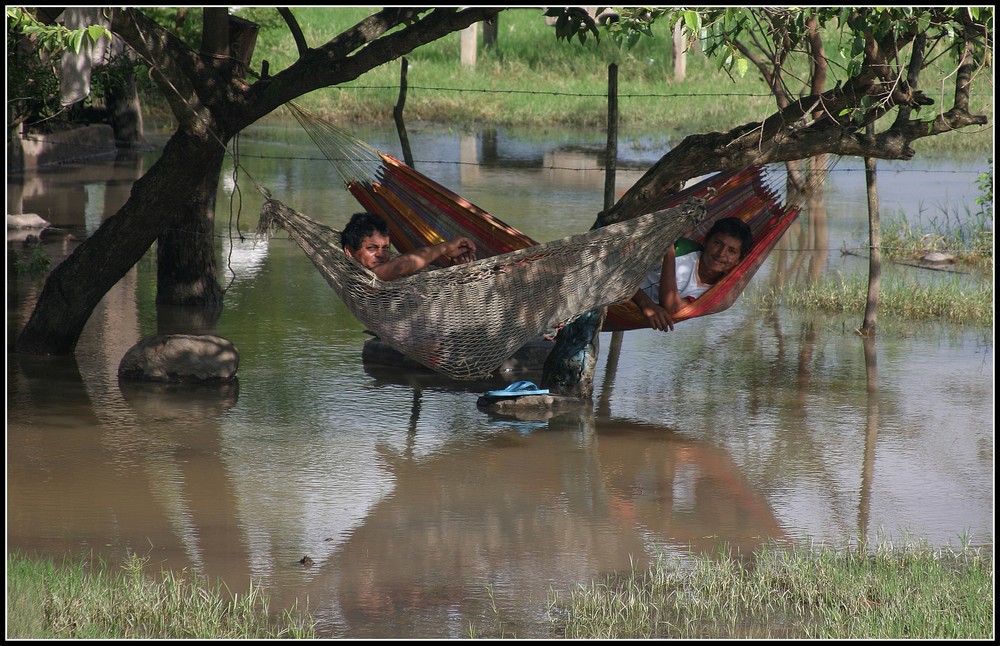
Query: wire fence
x=95 y=150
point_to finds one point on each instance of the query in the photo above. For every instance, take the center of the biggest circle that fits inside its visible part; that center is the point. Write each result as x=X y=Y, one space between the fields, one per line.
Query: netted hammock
x=420 y=212
x=465 y=321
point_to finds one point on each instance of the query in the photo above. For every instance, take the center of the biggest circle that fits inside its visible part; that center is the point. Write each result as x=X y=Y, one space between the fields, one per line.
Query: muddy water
x=423 y=516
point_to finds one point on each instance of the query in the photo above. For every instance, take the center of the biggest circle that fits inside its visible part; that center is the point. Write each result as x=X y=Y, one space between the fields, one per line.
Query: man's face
x=374 y=250
x=721 y=254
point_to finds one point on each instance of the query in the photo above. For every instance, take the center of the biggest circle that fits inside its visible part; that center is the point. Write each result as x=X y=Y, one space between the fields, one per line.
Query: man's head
x=366 y=239
x=726 y=243
x=734 y=228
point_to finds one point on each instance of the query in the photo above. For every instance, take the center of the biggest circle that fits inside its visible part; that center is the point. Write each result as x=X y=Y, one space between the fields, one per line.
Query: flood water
x=423 y=516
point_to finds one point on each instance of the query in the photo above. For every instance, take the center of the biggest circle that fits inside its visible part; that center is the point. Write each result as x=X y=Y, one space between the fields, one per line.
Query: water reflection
x=508 y=509
x=421 y=513
x=519 y=512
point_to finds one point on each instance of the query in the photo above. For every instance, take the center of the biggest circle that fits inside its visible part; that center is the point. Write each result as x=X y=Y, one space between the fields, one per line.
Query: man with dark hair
x=683 y=278
x=366 y=239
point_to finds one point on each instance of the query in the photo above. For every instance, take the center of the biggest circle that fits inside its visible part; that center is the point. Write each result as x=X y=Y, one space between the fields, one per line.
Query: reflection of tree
x=112 y=477
x=523 y=512
x=807 y=241
x=871 y=435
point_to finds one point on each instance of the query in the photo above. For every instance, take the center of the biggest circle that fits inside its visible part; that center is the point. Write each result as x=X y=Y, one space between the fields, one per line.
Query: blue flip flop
x=518 y=389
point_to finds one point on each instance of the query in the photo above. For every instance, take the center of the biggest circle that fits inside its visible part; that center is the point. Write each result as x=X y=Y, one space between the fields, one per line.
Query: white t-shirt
x=688 y=285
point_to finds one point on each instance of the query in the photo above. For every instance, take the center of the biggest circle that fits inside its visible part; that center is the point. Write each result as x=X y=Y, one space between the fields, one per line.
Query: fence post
x=469 y=38
x=680 y=52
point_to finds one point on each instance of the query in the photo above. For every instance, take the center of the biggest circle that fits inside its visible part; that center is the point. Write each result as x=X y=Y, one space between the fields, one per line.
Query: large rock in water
x=181 y=358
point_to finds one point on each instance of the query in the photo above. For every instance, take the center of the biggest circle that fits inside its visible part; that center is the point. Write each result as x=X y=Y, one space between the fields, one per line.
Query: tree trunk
x=66 y=301
x=874 y=257
x=491 y=29
x=572 y=362
x=185 y=253
x=125 y=114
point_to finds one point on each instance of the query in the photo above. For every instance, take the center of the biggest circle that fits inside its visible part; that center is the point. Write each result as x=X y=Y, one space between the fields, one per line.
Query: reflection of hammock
x=464 y=321
x=421 y=212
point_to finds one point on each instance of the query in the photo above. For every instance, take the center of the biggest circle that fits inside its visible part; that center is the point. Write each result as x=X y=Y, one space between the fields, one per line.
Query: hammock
x=465 y=321
x=420 y=211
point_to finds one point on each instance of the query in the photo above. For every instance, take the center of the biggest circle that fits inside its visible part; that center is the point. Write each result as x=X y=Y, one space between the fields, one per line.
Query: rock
x=530 y=406
x=180 y=358
x=26 y=221
x=937 y=258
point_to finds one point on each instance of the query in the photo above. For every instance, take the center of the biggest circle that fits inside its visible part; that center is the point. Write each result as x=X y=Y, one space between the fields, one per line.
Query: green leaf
x=96 y=32
x=76 y=40
x=742 y=65
x=693 y=21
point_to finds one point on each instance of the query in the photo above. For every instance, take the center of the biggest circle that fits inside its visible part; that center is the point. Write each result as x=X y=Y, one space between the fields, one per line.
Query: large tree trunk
x=185 y=253
x=75 y=287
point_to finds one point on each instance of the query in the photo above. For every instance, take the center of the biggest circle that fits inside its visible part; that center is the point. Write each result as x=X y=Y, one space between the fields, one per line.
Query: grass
x=968 y=240
x=947 y=295
x=89 y=600
x=528 y=79
x=950 y=300
x=893 y=592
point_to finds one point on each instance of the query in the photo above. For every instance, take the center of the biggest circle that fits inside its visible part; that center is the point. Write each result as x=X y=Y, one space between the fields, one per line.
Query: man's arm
x=670 y=297
x=659 y=316
x=457 y=250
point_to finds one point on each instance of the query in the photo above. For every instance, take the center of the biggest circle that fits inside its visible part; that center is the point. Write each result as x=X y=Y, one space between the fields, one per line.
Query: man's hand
x=659 y=318
x=460 y=250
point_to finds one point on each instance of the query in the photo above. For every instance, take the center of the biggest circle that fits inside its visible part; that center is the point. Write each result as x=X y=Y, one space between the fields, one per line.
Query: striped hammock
x=420 y=211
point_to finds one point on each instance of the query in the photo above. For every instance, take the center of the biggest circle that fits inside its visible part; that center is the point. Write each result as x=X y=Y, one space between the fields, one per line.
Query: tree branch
x=293 y=26
x=346 y=57
x=163 y=52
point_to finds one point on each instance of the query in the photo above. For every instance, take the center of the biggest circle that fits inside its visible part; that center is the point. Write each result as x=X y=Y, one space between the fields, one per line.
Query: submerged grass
x=958 y=291
x=950 y=300
x=967 y=239
x=89 y=600
x=892 y=592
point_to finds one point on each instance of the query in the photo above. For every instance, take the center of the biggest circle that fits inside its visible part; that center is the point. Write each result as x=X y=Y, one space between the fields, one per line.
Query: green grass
x=948 y=299
x=890 y=591
x=969 y=239
x=89 y=600
x=893 y=592
x=944 y=294
x=531 y=80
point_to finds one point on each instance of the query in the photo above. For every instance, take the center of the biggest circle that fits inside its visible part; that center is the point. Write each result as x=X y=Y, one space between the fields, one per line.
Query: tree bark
x=185 y=253
x=159 y=201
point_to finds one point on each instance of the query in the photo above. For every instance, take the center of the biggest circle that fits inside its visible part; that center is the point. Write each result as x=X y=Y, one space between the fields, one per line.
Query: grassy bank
x=893 y=591
x=528 y=79
x=91 y=600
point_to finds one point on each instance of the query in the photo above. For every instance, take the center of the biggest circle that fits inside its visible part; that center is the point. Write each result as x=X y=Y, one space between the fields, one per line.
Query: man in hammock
x=366 y=239
x=688 y=271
